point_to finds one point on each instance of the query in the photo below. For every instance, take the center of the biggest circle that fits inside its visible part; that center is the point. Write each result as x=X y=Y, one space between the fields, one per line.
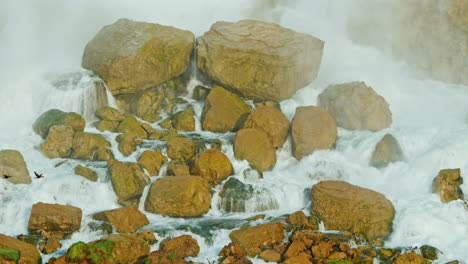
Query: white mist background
x=429 y=117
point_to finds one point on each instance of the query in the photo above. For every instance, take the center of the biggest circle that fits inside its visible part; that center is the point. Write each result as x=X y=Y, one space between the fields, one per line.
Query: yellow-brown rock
x=312 y=128
x=110 y=114
x=125 y=248
x=56 y=117
x=125 y=220
x=54 y=217
x=86 y=145
x=177 y=168
x=272 y=121
x=106 y=125
x=322 y=249
x=130 y=125
x=152 y=161
x=258 y=59
x=411 y=258
x=182 y=246
x=127 y=143
x=212 y=165
x=232 y=249
x=346 y=207
x=386 y=151
x=294 y=249
x=28 y=253
x=270 y=255
x=297 y=260
x=165 y=257
x=180 y=148
x=128 y=181
x=12 y=164
x=224 y=111
x=59 y=142
x=253 y=239
x=182 y=196
x=133 y=56
x=184 y=120
x=298 y=218
x=254 y=145
x=447 y=185
x=50 y=246
x=86 y=173
x=146 y=235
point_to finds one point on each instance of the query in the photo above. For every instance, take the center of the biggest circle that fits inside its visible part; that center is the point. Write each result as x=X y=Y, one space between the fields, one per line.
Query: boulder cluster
x=250 y=66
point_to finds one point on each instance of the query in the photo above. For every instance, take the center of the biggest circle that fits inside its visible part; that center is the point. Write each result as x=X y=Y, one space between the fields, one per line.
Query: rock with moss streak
x=57 y=117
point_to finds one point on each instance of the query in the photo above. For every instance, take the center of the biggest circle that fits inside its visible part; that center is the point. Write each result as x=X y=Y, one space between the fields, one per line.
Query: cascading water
x=429 y=121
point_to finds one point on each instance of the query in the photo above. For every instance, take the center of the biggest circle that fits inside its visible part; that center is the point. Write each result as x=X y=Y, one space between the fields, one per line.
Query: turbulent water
x=40 y=40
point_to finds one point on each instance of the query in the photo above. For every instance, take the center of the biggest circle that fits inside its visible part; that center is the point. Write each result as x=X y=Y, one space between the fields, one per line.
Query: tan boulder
x=297 y=260
x=184 y=120
x=125 y=220
x=59 y=142
x=411 y=258
x=294 y=249
x=103 y=154
x=86 y=173
x=146 y=235
x=56 y=117
x=182 y=196
x=298 y=219
x=125 y=248
x=106 y=125
x=258 y=59
x=254 y=145
x=223 y=111
x=157 y=53
x=180 y=148
x=28 y=253
x=386 y=151
x=177 y=168
x=110 y=114
x=356 y=106
x=182 y=246
x=346 y=207
x=152 y=161
x=55 y=217
x=232 y=249
x=270 y=255
x=127 y=143
x=312 y=128
x=447 y=185
x=130 y=125
x=128 y=181
x=272 y=121
x=212 y=165
x=50 y=246
x=12 y=164
x=86 y=145
x=255 y=238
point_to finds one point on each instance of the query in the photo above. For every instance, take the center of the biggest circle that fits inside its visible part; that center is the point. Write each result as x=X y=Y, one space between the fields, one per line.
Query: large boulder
x=125 y=220
x=133 y=56
x=81 y=252
x=356 y=106
x=224 y=111
x=255 y=238
x=212 y=165
x=182 y=246
x=184 y=120
x=181 y=196
x=56 y=117
x=59 y=142
x=258 y=59
x=254 y=145
x=312 y=128
x=447 y=185
x=87 y=146
x=386 y=151
x=128 y=181
x=55 y=217
x=124 y=248
x=346 y=207
x=152 y=161
x=12 y=164
x=28 y=254
x=110 y=114
x=272 y=121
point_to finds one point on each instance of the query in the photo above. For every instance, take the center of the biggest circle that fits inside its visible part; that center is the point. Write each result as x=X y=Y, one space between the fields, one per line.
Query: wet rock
x=254 y=145
x=106 y=125
x=180 y=148
x=59 y=142
x=300 y=221
x=182 y=196
x=386 y=151
x=56 y=117
x=166 y=123
x=429 y=252
x=125 y=248
x=322 y=250
x=103 y=154
x=125 y=220
x=184 y=120
x=342 y=206
x=55 y=217
x=128 y=181
x=9 y=256
x=87 y=146
x=86 y=173
x=270 y=255
x=50 y=246
x=447 y=185
x=297 y=260
x=103 y=227
x=411 y=258
x=163 y=257
x=294 y=249
x=212 y=165
x=312 y=128
x=200 y=93
x=12 y=164
x=152 y=161
x=253 y=239
x=110 y=114
x=127 y=143
x=258 y=59
x=147 y=236
x=233 y=249
x=157 y=53
x=177 y=168
x=182 y=246
x=130 y=125
x=83 y=253
x=224 y=111
x=272 y=121
x=9 y=247
x=356 y=106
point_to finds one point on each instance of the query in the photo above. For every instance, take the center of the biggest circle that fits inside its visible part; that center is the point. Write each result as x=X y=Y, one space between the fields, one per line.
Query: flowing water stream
x=40 y=40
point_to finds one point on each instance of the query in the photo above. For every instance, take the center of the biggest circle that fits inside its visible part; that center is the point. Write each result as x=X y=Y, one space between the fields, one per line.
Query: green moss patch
x=10 y=254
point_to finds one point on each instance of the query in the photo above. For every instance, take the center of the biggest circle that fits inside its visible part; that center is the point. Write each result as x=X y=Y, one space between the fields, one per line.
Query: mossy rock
x=96 y=253
x=57 y=117
x=9 y=254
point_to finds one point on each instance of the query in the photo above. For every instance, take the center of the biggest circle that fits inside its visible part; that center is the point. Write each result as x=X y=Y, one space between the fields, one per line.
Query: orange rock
x=298 y=218
x=125 y=220
x=183 y=246
x=212 y=165
x=272 y=121
x=125 y=248
x=233 y=249
x=294 y=249
x=322 y=250
x=28 y=253
x=180 y=148
x=51 y=245
x=297 y=260
x=254 y=145
x=55 y=217
x=152 y=161
x=411 y=258
x=447 y=185
x=270 y=255
x=257 y=237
